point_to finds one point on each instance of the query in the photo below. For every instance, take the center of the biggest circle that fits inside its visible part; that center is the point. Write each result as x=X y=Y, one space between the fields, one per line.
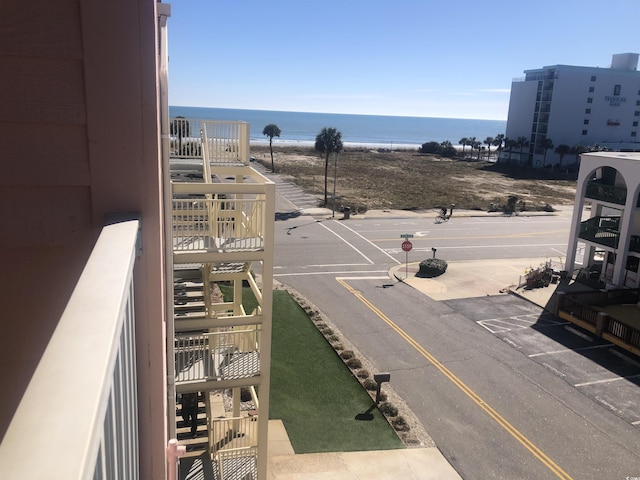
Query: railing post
x=174 y=452
x=244 y=143
x=601 y=323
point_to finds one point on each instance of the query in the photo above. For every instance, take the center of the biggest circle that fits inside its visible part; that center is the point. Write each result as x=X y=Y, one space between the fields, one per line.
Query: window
x=587 y=111
x=633 y=134
x=589 y=100
x=635 y=124
x=636 y=113
x=584 y=132
x=591 y=89
x=616 y=90
x=637 y=103
x=593 y=78
x=586 y=121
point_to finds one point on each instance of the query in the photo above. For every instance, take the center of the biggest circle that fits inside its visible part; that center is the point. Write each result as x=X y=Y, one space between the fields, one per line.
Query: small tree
x=547 y=144
x=521 y=143
x=562 y=150
x=328 y=141
x=488 y=142
x=464 y=141
x=271 y=131
x=497 y=142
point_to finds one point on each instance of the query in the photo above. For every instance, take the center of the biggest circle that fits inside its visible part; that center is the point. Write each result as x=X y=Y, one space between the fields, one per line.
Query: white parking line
x=606 y=380
x=637 y=422
x=565 y=350
x=518 y=322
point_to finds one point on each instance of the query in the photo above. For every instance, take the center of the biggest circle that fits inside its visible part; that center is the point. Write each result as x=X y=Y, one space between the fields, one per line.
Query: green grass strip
x=314 y=393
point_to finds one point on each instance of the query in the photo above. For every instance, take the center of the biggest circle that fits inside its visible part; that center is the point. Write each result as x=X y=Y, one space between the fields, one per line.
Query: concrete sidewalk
x=405 y=463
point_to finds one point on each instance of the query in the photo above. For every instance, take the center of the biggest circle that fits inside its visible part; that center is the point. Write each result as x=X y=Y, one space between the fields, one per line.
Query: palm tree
x=271 y=131
x=328 y=141
x=508 y=147
x=521 y=142
x=562 y=150
x=464 y=141
x=472 y=143
x=180 y=126
x=578 y=150
x=497 y=142
x=475 y=144
x=488 y=142
x=547 y=144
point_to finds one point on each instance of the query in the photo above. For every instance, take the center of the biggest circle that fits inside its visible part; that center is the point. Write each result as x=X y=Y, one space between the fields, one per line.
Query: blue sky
x=422 y=58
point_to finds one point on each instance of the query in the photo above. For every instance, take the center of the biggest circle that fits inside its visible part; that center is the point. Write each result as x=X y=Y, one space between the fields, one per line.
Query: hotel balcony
x=601 y=230
x=606 y=193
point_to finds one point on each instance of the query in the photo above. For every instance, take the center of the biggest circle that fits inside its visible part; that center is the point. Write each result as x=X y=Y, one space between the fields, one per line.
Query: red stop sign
x=407 y=246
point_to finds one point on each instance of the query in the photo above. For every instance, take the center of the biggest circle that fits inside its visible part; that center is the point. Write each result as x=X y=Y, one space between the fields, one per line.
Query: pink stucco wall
x=79 y=138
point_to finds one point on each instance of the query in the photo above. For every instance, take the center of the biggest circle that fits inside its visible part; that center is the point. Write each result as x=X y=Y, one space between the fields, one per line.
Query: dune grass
x=312 y=391
x=407 y=180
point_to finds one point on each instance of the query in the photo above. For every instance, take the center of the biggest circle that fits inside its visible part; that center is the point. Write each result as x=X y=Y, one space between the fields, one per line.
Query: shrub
x=337 y=346
x=432 y=267
x=363 y=373
x=400 y=424
x=354 y=363
x=388 y=409
x=333 y=338
x=347 y=354
x=328 y=331
x=370 y=384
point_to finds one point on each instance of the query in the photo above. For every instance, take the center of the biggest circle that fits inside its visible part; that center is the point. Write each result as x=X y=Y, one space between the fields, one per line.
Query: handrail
x=78 y=416
x=215 y=141
x=607 y=193
x=234 y=432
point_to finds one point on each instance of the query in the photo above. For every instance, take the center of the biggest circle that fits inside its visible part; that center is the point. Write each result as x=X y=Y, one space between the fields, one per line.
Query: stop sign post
x=406 y=247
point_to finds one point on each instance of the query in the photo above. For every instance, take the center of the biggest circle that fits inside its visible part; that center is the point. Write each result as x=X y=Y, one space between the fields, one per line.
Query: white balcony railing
x=225 y=142
x=218 y=224
x=78 y=416
x=222 y=355
x=218 y=142
x=232 y=433
x=237 y=463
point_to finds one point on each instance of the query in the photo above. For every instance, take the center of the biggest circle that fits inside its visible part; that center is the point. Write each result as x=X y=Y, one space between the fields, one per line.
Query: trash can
x=347 y=212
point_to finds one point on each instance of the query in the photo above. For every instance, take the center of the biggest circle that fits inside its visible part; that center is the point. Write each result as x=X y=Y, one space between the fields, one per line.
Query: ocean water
x=370 y=130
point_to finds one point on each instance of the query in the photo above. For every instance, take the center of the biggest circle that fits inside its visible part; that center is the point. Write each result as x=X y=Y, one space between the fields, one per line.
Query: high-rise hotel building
x=574 y=106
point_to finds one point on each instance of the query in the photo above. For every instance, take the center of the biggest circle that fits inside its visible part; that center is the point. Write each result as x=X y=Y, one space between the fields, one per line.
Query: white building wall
x=583 y=111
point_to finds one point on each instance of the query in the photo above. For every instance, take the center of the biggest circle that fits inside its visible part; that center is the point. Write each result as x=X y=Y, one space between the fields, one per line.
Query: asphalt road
x=494 y=407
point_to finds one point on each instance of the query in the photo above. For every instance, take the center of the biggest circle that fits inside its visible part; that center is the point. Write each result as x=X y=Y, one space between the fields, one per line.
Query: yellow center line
x=515 y=433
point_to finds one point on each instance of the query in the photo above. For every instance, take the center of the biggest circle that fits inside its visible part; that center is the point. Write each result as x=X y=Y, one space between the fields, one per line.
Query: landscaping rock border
x=405 y=423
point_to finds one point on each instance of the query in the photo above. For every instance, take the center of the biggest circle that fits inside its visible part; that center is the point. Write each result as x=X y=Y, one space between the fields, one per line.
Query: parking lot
x=601 y=371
